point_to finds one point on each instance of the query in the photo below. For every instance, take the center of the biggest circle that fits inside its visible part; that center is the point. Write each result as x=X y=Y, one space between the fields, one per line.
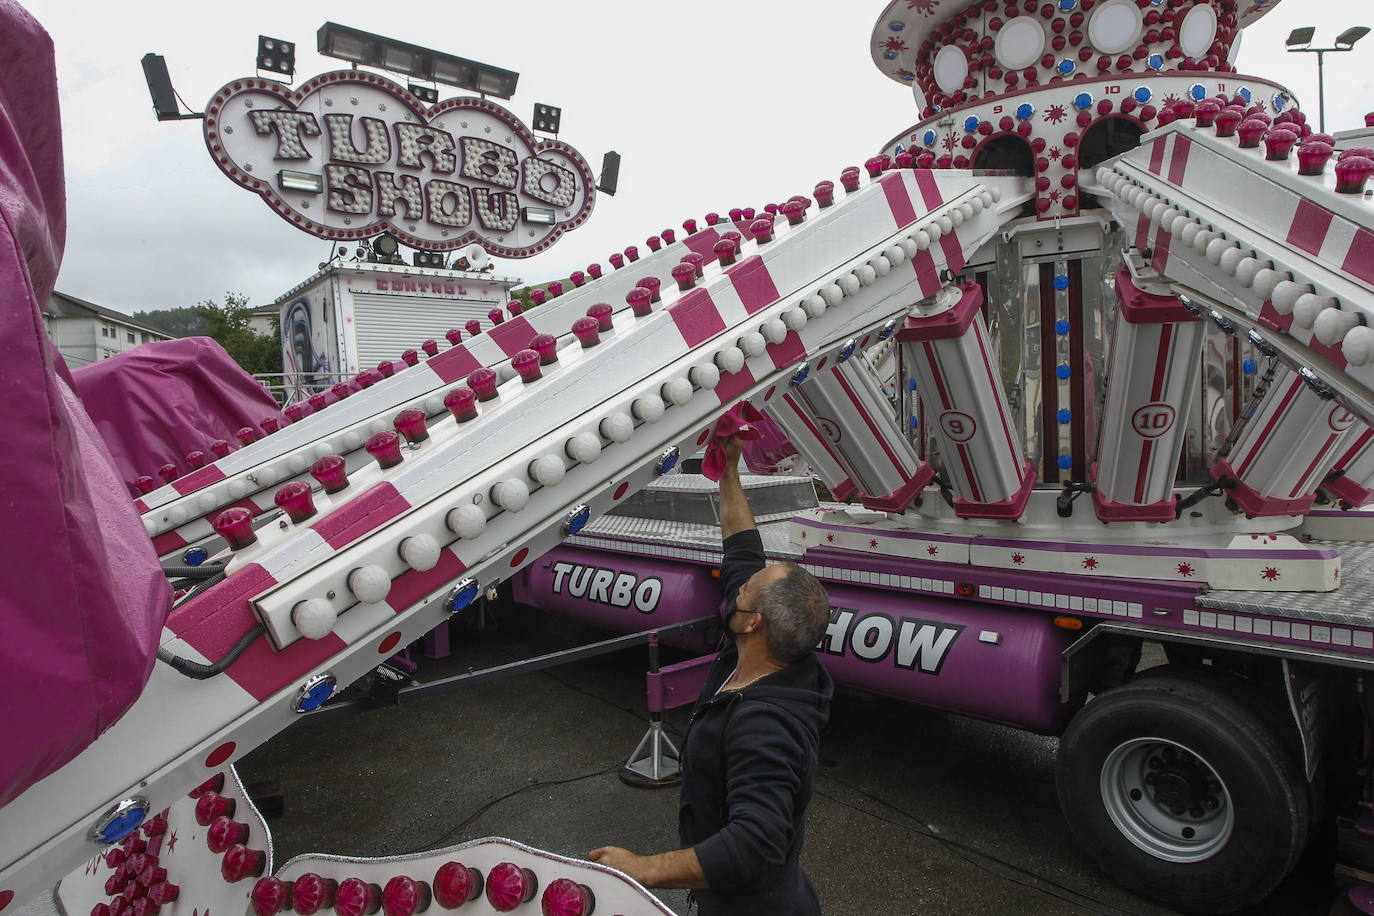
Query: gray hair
x=797 y=610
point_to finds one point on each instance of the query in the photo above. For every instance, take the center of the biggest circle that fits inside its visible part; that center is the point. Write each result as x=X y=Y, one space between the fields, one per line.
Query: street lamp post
x=1300 y=40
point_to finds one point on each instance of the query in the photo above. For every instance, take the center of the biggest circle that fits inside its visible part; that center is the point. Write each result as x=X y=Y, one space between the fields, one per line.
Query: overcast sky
x=715 y=105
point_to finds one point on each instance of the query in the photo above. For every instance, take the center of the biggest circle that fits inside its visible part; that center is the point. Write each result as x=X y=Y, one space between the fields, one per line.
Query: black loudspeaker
x=160 y=87
x=610 y=173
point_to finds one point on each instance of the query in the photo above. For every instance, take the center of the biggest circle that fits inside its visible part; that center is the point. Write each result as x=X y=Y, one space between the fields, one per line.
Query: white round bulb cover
x=706 y=375
x=1246 y=269
x=433 y=405
x=1019 y=43
x=894 y=253
x=617 y=427
x=679 y=390
x=298 y=462
x=1197 y=31
x=1286 y=295
x=1308 y=306
x=1114 y=26
x=831 y=293
x=849 y=284
x=866 y=274
x=1266 y=278
x=314 y=618
x=420 y=552
x=649 y=408
x=467 y=521
x=951 y=68
x=731 y=359
x=584 y=447
x=369 y=584
x=1332 y=325
x=548 y=470
x=1214 y=249
x=795 y=317
x=753 y=343
x=1358 y=346
x=773 y=330
x=511 y=494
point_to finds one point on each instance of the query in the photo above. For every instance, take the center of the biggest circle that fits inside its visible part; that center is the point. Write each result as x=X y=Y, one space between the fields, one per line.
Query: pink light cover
x=508 y=886
x=410 y=357
x=430 y=346
x=270 y=896
x=462 y=403
x=240 y=862
x=235 y=525
x=331 y=472
x=604 y=315
x=385 y=446
x=546 y=345
x=411 y=424
x=454 y=336
x=387 y=368
x=456 y=884
x=483 y=382
x=356 y=897
x=312 y=893
x=225 y=832
x=526 y=362
x=565 y=897
x=404 y=896
x=212 y=805
x=587 y=331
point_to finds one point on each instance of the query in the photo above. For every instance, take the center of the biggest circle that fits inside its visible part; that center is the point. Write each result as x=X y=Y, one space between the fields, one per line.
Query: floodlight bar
x=276 y=55
x=1301 y=36
x=369 y=50
x=309 y=182
x=1351 y=35
x=541 y=215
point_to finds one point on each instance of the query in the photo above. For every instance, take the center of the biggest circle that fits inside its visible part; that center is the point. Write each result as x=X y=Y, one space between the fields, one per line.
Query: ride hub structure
x=1082 y=359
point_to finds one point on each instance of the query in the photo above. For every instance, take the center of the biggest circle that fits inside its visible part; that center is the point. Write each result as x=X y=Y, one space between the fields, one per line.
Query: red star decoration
x=932 y=550
x=1270 y=574
x=1018 y=558
x=1168 y=100
x=924 y=7
x=830 y=538
x=894 y=44
x=872 y=542
x=905 y=74
x=803 y=535
x=1185 y=569
x=1054 y=196
x=1090 y=562
x=171 y=841
x=1055 y=113
x=947 y=142
x=1054 y=153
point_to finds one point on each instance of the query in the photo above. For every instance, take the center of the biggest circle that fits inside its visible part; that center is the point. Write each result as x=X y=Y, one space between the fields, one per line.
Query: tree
x=231 y=326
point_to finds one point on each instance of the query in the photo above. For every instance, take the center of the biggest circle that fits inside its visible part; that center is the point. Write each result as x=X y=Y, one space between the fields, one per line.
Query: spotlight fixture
x=1300 y=37
x=1300 y=40
x=165 y=103
x=424 y=93
x=277 y=55
x=428 y=259
x=369 y=50
x=547 y=118
x=544 y=216
x=385 y=245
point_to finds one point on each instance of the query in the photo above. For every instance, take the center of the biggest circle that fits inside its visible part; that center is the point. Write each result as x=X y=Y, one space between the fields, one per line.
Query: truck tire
x=1183 y=792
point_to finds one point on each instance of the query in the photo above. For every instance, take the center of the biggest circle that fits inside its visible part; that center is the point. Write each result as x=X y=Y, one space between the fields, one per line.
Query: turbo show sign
x=351 y=154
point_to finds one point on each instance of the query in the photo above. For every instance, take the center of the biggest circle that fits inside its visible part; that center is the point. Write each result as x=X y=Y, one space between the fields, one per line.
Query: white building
x=84 y=332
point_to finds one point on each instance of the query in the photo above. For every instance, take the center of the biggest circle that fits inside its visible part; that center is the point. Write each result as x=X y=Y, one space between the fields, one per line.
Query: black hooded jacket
x=748 y=767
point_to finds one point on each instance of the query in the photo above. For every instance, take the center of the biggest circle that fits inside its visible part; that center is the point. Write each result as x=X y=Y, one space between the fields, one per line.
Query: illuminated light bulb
x=196 y=459
x=225 y=832
x=356 y=897
x=584 y=447
x=385 y=446
x=420 y=552
x=685 y=276
x=678 y=391
x=565 y=897
x=881 y=266
x=145 y=484
x=164 y=892
x=795 y=317
x=650 y=407
x=454 y=336
x=212 y=805
x=586 y=331
x=314 y=617
x=1286 y=295
x=213 y=784
x=1308 y=306
x=467 y=521
x=831 y=293
x=1266 y=278
x=638 y=299
x=618 y=427
x=511 y=494
x=219 y=448
x=1331 y=325
x=548 y=470
x=455 y=884
x=1358 y=346
x=331 y=472
x=270 y=425
x=604 y=315
x=483 y=383
x=270 y=896
x=526 y=362
x=369 y=584
x=508 y=886
x=705 y=376
x=311 y=893
x=773 y=330
x=235 y=525
x=814 y=306
x=462 y=403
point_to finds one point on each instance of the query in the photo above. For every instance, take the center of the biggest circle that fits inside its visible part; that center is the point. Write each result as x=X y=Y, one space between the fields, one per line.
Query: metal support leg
x=655 y=762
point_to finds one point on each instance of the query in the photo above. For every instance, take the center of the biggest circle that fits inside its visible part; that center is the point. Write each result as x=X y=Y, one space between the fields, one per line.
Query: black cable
x=203 y=571
x=201 y=671
x=204 y=585
x=960 y=848
x=538 y=784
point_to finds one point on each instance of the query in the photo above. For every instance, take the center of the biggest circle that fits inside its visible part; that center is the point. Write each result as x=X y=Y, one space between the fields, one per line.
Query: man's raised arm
x=735 y=514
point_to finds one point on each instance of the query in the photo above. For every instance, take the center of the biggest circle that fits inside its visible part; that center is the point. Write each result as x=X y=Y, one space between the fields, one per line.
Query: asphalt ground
x=916 y=811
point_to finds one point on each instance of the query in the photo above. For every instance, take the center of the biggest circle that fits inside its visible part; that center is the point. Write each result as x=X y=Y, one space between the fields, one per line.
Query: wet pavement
x=916 y=811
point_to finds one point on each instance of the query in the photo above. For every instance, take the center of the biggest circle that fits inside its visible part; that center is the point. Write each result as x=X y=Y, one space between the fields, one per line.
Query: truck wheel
x=1183 y=792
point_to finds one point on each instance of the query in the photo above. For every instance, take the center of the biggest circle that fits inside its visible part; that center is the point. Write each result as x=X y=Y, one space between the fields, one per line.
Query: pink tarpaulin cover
x=81 y=597
x=160 y=401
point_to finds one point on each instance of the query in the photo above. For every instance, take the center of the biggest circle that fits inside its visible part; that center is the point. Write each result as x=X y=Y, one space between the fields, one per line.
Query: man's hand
x=679 y=868
x=733 y=447
x=735 y=515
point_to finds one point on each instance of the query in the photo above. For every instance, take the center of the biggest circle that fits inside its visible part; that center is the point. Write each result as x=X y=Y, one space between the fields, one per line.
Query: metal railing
x=292 y=387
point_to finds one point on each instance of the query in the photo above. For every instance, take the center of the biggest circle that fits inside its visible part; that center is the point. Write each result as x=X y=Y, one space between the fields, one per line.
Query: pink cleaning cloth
x=738 y=421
